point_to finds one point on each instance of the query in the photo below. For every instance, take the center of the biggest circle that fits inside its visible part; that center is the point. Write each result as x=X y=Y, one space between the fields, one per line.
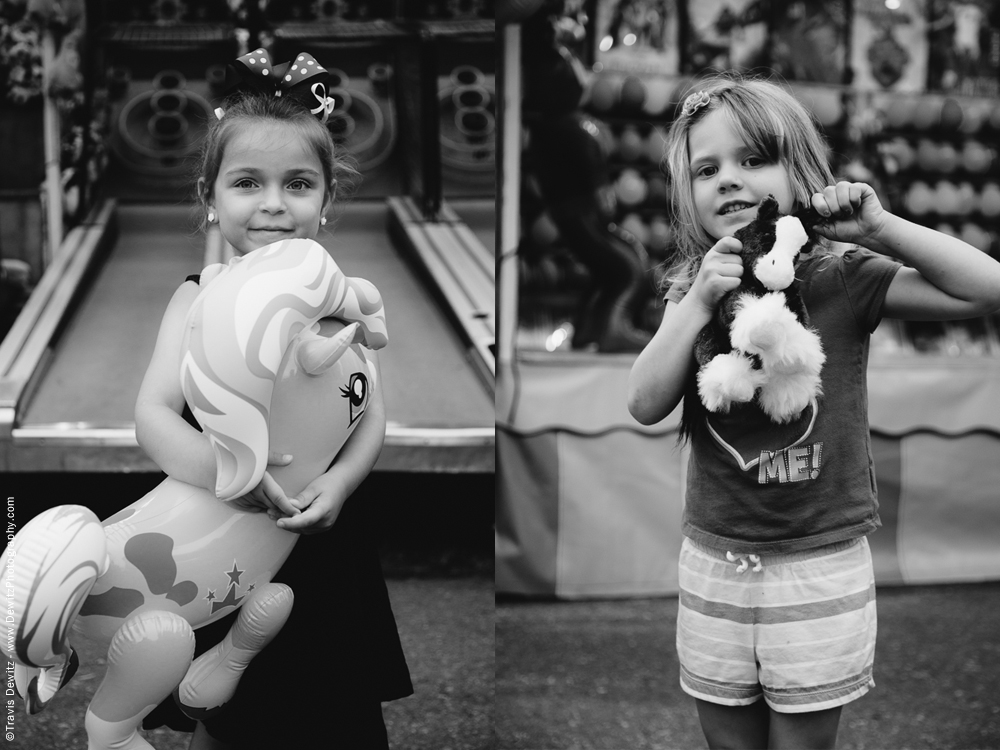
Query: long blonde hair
x=773 y=124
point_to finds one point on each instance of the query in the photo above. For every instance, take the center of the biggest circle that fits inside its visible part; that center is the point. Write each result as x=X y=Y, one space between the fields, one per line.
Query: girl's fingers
x=734 y=270
x=274 y=458
x=302 y=521
x=284 y=505
x=728 y=245
x=840 y=200
x=275 y=496
x=845 y=198
x=304 y=499
x=832 y=199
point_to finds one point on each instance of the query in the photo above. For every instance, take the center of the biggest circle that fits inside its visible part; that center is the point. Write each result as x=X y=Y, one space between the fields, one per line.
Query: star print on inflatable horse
x=272 y=356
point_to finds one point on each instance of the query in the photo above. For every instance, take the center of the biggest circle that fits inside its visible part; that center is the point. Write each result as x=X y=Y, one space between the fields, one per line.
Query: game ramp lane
x=455 y=263
x=70 y=370
x=480 y=215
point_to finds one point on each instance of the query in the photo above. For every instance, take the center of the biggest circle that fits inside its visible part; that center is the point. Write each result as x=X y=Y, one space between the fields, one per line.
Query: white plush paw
x=784 y=396
x=761 y=324
x=802 y=352
x=727 y=379
x=766 y=327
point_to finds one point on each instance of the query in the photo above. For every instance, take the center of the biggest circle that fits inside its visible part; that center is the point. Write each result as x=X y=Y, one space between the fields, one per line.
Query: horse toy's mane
x=229 y=369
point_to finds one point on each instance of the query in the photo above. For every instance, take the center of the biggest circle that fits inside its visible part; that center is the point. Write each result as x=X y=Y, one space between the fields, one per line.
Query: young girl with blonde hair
x=777 y=593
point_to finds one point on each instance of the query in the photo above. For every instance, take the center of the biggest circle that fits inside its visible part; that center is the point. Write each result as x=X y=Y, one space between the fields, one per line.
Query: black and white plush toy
x=759 y=343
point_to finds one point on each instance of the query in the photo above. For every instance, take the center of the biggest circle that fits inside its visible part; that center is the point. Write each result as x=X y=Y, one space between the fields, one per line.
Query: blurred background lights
x=559 y=337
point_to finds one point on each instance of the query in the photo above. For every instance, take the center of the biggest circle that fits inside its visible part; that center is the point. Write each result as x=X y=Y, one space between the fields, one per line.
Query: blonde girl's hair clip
x=694 y=102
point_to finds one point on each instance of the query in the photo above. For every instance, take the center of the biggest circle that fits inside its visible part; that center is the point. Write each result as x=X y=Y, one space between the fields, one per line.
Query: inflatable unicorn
x=272 y=355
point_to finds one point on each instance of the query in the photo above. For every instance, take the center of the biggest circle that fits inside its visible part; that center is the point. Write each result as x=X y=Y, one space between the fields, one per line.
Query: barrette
x=695 y=101
x=302 y=79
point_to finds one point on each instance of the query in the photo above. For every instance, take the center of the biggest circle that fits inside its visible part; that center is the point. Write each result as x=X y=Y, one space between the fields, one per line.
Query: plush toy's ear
x=768 y=210
x=809 y=217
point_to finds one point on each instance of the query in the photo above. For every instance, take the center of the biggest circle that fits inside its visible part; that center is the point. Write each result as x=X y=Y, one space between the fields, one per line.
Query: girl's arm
x=656 y=382
x=947 y=279
x=322 y=500
x=176 y=447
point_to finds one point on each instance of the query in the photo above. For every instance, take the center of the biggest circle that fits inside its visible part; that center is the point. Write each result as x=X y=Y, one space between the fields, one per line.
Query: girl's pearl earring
x=323 y=221
x=211 y=217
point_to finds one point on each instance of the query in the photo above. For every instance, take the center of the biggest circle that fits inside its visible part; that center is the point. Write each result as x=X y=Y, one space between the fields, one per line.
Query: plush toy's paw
x=761 y=324
x=784 y=395
x=728 y=378
x=802 y=352
x=766 y=327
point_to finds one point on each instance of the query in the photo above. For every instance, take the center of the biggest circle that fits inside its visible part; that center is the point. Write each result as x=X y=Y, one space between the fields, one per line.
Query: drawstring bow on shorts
x=744 y=562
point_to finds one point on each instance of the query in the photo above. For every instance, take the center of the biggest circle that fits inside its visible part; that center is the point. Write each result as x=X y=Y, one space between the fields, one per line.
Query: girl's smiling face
x=729 y=180
x=269 y=188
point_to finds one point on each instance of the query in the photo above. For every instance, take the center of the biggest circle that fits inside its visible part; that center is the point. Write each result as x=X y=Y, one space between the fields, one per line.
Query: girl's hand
x=852 y=211
x=720 y=272
x=268 y=495
x=320 y=504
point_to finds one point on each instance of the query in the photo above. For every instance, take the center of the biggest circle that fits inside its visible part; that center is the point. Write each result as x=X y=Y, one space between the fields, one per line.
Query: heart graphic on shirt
x=745 y=433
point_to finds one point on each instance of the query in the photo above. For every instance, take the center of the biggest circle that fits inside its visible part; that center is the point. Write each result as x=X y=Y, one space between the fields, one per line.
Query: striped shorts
x=798 y=629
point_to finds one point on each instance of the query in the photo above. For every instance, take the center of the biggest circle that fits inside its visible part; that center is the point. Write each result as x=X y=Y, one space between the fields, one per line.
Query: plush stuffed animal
x=759 y=343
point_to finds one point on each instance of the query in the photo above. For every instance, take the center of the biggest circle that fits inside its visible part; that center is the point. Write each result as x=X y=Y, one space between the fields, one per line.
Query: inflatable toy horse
x=267 y=361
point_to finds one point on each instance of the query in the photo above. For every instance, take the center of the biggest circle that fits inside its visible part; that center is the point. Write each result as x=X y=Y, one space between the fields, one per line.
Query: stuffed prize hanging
x=272 y=356
x=759 y=345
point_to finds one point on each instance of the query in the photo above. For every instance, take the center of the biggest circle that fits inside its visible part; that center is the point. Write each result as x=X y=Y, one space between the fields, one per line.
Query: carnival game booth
x=589 y=501
x=420 y=229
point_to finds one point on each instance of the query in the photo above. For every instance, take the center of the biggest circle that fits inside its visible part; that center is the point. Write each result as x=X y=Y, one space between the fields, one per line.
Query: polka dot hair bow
x=302 y=79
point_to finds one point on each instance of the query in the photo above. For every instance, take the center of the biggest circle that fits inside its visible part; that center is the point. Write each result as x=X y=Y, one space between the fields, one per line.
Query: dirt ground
x=604 y=675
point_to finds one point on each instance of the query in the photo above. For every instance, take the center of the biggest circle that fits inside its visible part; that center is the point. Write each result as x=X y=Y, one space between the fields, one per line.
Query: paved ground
x=603 y=675
x=437 y=552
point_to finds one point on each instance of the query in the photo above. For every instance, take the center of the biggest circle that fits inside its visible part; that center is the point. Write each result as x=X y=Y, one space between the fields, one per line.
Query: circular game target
x=380 y=75
x=467 y=75
x=159 y=128
x=363 y=124
x=337 y=78
x=169 y=79
x=468 y=122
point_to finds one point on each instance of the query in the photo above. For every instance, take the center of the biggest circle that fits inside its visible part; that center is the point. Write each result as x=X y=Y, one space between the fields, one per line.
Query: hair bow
x=302 y=79
x=695 y=101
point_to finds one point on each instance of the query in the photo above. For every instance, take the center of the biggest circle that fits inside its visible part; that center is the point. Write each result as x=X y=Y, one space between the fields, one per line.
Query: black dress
x=335 y=661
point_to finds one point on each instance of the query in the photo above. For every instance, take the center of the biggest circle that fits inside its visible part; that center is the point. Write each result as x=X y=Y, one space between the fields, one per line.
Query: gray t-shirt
x=757 y=487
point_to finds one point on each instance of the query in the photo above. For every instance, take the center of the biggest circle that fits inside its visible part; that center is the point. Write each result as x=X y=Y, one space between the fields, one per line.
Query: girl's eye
x=706 y=171
x=755 y=161
x=244 y=184
x=298 y=185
